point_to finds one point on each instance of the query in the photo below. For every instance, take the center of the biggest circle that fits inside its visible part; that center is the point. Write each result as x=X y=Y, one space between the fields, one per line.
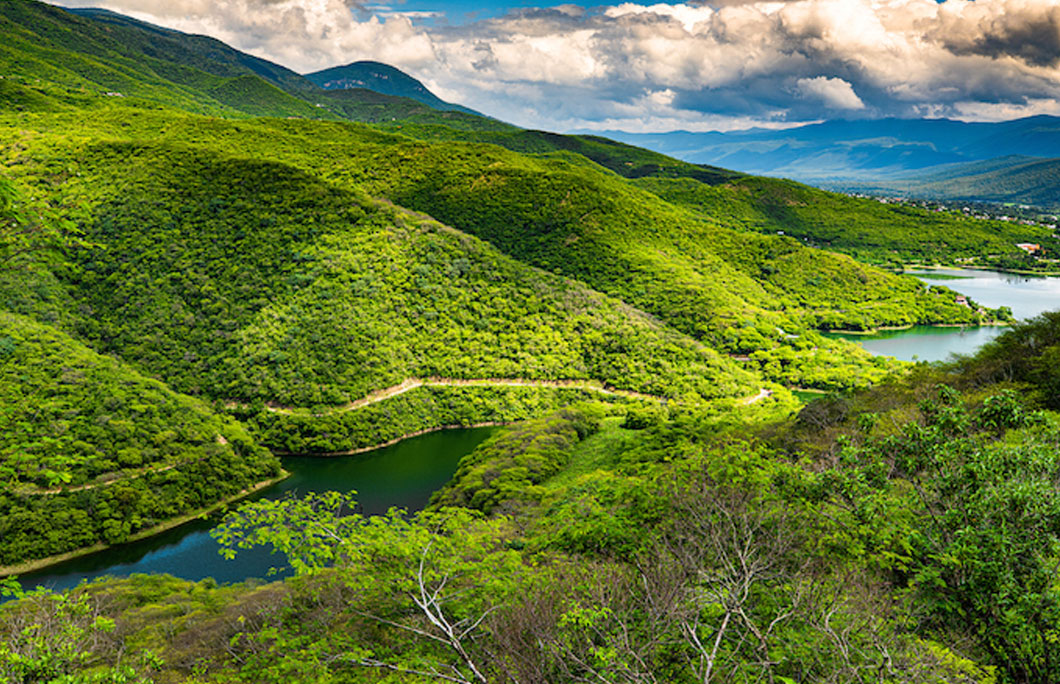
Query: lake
x=402 y=475
x=1027 y=296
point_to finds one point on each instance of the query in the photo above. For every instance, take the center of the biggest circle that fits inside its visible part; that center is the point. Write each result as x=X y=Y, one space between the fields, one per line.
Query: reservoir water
x=1027 y=296
x=402 y=475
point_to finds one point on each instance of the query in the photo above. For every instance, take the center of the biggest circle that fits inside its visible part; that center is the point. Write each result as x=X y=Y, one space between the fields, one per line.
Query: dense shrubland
x=741 y=293
x=907 y=533
x=244 y=280
x=93 y=452
x=194 y=290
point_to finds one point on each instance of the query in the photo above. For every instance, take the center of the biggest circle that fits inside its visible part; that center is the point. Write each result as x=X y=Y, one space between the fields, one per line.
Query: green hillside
x=93 y=452
x=739 y=292
x=380 y=78
x=95 y=55
x=253 y=281
x=909 y=531
x=863 y=228
x=45 y=43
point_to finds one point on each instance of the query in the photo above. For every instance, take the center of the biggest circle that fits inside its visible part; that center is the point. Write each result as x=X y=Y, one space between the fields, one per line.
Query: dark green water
x=923 y=342
x=1027 y=296
x=403 y=475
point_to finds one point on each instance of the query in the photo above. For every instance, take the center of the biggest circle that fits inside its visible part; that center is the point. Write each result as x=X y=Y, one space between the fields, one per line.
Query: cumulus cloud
x=300 y=34
x=833 y=92
x=1028 y=31
x=698 y=65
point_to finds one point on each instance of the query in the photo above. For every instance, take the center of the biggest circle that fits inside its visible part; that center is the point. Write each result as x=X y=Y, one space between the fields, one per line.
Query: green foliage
x=864 y=228
x=53 y=637
x=91 y=451
x=980 y=551
x=418 y=410
x=28 y=236
x=512 y=465
x=1027 y=353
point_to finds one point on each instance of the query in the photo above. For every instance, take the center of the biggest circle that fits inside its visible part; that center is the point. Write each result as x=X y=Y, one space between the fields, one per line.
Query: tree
x=50 y=637
x=431 y=580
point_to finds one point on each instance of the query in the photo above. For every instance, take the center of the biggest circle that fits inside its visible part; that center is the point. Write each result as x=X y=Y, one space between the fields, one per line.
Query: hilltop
x=381 y=78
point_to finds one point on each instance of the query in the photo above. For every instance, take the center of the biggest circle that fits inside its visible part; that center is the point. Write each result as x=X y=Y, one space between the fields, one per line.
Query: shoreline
x=392 y=442
x=48 y=561
x=172 y=523
x=896 y=328
x=994 y=269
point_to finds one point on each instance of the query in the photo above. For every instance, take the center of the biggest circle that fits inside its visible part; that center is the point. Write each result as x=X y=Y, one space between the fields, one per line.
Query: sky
x=646 y=67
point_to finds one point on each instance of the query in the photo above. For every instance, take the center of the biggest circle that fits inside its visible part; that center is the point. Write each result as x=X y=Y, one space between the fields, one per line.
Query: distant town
x=988 y=211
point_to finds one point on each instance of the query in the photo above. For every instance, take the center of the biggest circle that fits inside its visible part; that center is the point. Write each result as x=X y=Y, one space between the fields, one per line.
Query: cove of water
x=403 y=475
x=1027 y=296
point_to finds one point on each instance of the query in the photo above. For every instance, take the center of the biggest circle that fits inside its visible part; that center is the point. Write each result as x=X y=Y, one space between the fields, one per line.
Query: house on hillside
x=1029 y=247
x=962 y=300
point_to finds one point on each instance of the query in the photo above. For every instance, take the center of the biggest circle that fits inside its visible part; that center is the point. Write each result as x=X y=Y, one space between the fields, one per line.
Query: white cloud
x=1004 y=111
x=833 y=92
x=716 y=63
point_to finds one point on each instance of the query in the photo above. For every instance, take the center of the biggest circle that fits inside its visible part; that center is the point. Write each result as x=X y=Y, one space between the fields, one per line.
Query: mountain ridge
x=381 y=78
x=853 y=149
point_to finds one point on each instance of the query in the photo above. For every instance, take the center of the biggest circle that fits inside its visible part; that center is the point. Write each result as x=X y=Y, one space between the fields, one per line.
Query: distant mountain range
x=857 y=149
x=381 y=78
x=1004 y=161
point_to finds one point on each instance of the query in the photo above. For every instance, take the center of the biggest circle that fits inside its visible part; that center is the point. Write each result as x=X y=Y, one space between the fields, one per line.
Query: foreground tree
x=431 y=580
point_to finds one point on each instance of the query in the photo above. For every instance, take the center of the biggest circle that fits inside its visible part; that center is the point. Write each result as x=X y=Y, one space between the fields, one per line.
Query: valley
x=497 y=404
x=403 y=475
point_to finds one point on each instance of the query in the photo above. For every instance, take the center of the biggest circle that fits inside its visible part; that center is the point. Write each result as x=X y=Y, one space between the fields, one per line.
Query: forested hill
x=97 y=54
x=93 y=452
x=177 y=210
x=381 y=78
x=205 y=262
